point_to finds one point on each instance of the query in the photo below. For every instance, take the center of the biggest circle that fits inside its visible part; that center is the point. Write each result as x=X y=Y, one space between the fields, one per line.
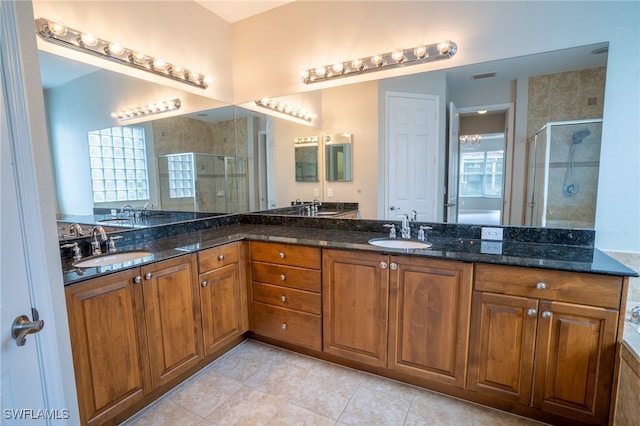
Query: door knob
x=393 y=208
x=22 y=326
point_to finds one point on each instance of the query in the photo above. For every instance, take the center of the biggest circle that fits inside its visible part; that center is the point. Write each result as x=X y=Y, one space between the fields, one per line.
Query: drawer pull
x=148 y=275
x=282 y=255
x=283 y=277
x=137 y=279
x=383 y=265
x=283 y=298
x=221 y=257
x=393 y=266
x=532 y=312
x=204 y=283
x=546 y=314
x=283 y=326
x=541 y=285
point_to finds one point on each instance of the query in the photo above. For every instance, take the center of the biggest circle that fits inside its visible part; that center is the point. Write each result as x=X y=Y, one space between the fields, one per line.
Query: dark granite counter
x=450 y=242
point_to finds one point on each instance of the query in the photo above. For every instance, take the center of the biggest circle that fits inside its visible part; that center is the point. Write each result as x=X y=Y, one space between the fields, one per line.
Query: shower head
x=579 y=136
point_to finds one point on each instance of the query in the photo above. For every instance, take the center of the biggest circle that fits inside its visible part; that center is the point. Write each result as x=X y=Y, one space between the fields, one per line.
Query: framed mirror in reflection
x=260 y=144
x=337 y=157
x=306 y=158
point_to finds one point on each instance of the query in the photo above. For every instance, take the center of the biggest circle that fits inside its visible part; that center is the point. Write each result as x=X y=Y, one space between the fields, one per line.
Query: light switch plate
x=316 y=192
x=491 y=247
x=329 y=192
x=494 y=234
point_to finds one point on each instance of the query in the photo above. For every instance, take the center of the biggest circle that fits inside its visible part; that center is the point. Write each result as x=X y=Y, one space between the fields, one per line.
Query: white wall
x=279 y=44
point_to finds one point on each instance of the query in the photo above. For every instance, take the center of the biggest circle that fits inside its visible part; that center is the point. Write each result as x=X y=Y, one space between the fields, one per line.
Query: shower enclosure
x=202 y=182
x=562 y=174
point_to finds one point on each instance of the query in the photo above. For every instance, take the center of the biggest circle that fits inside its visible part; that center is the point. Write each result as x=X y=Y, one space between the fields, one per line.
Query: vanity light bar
x=85 y=42
x=143 y=111
x=308 y=139
x=284 y=108
x=397 y=58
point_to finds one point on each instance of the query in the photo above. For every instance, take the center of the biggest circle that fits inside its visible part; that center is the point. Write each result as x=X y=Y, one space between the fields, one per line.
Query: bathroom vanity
x=532 y=330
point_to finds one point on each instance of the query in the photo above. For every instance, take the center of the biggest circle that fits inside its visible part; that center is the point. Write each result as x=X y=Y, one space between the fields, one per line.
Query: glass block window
x=118 y=164
x=181 y=178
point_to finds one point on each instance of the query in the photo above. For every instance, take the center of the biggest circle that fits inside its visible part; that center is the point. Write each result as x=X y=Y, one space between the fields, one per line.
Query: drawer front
x=288 y=326
x=299 y=278
x=286 y=254
x=217 y=257
x=572 y=287
x=288 y=298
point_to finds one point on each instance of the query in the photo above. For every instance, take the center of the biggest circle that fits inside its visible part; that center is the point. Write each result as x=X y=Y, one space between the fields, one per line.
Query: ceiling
x=237 y=10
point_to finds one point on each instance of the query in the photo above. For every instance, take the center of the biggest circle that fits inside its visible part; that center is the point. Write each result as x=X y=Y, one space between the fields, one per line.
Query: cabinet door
x=429 y=318
x=355 y=296
x=575 y=358
x=502 y=346
x=220 y=294
x=109 y=345
x=172 y=303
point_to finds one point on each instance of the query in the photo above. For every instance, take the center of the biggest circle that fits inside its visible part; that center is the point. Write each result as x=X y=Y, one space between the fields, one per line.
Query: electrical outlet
x=491 y=247
x=316 y=192
x=492 y=233
x=329 y=192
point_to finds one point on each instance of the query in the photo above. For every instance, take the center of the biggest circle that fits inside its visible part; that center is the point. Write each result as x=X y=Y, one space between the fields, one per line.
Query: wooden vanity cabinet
x=132 y=332
x=429 y=318
x=285 y=293
x=109 y=345
x=545 y=339
x=223 y=295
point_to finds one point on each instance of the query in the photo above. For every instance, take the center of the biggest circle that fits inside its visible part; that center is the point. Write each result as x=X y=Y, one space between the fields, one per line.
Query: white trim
x=16 y=98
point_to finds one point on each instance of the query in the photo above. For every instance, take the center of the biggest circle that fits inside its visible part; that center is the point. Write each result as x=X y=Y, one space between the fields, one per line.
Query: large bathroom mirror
x=256 y=146
x=337 y=157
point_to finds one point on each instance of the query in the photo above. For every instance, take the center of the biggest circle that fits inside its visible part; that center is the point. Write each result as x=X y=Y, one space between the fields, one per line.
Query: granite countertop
x=547 y=256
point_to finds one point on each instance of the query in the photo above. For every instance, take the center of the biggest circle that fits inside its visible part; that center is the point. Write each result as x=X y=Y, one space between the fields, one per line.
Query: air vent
x=484 y=75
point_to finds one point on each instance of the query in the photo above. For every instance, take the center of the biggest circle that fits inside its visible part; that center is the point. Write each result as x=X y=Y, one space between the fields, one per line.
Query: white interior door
x=454 y=163
x=412 y=151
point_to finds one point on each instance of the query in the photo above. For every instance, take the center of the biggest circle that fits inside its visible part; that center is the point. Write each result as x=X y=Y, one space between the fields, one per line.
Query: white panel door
x=412 y=151
x=454 y=165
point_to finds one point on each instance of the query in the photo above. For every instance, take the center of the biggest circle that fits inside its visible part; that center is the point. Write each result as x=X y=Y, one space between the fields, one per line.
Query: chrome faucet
x=95 y=244
x=76 y=230
x=405 y=229
x=422 y=234
x=128 y=208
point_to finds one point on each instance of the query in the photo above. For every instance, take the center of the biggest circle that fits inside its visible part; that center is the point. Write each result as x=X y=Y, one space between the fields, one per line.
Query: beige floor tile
x=164 y=413
x=372 y=407
x=203 y=393
x=300 y=360
x=389 y=386
x=246 y=407
x=245 y=360
x=291 y=415
x=278 y=378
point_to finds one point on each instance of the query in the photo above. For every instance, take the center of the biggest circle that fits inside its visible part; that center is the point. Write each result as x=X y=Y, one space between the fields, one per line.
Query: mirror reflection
x=242 y=160
x=337 y=157
x=306 y=158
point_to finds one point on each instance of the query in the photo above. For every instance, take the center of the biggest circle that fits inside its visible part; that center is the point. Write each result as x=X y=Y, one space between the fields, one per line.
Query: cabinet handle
x=204 y=283
x=283 y=298
x=221 y=257
x=137 y=279
x=532 y=312
x=546 y=314
x=283 y=326
x=383 y=265
x=282 y=255
x=393 y=266
x=148 y=276
x=283 y=277
x=541 y=285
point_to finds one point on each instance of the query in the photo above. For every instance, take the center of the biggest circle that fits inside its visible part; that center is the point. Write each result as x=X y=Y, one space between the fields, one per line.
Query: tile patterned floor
x=259 y=384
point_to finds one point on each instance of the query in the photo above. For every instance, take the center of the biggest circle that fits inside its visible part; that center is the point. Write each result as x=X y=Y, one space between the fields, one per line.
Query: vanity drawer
x=572 y=287
x=288 y=276
x=286 y=254
x=217 y=257
x=288 y=298
x=288 y=326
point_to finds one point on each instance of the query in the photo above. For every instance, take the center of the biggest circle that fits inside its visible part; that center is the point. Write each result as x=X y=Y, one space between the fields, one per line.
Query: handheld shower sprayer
x=570 y=188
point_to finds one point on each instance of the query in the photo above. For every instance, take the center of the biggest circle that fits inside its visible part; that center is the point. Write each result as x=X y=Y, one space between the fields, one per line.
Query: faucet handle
x=413 y=215
x=422 y=235
x=77 y=253
x=111 y=246
x=392 y=229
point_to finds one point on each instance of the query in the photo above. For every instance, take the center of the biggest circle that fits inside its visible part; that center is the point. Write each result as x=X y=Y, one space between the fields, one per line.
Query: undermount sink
x=116 y=222
x=111 y=259
x=399 y=244
x=326 y=213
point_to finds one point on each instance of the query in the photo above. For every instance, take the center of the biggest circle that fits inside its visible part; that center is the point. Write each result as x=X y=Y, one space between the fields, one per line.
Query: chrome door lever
x=22 y=326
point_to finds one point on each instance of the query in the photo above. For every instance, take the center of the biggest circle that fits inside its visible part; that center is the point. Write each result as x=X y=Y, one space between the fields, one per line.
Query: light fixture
x=482 y=111
x=469 y=142
x=145 y=110
x=305 y=140
x=396 y=58
x=86 y=42
x=284 y=108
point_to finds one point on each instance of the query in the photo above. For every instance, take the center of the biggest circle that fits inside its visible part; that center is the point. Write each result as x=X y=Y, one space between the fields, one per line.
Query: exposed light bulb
x=57 y=29
x=139 y=57
x=356 y=64
x=304 y=74
x=159 y=64
x=397 y=55
x=88 y=39
x=115 y=49
x=338 y=67
x=321 y=71
x=376 y=60
x=443 y=47
x=420 y=52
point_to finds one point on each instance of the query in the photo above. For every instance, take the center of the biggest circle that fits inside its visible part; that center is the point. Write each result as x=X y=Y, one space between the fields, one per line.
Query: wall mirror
x=252 y=136
x=306 y=158
x=337 y=157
